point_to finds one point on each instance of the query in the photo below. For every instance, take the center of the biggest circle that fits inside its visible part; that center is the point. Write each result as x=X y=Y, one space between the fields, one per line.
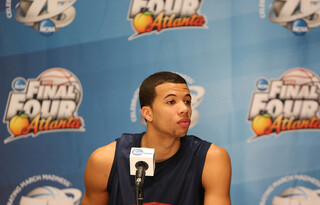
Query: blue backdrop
x=70 y=71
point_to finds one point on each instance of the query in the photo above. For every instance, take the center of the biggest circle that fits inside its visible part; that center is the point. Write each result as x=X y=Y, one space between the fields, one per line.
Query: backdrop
x=70 y=72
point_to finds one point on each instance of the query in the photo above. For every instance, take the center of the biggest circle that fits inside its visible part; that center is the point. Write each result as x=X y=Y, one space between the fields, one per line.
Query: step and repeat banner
x=70 y=73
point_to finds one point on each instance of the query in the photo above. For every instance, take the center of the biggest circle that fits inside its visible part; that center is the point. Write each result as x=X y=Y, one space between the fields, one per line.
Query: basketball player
x=188 y=170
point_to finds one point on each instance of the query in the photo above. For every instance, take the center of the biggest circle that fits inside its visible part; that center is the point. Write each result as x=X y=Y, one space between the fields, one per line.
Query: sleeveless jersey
x=176 y=181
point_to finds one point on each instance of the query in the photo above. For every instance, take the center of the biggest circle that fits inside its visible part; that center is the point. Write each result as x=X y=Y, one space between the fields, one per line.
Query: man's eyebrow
x=174 y=95
x=170 y=95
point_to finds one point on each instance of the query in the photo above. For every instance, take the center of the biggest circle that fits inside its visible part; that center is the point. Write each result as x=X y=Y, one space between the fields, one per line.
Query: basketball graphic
x=52 y=195
x=300 y=77
x=297 y=195
x=60 y=76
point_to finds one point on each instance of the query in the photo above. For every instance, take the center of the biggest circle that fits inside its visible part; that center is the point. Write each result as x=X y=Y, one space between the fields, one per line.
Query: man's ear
x=146 y=112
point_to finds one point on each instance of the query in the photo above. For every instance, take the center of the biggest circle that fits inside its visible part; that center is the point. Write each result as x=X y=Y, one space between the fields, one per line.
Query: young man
x=188 y=170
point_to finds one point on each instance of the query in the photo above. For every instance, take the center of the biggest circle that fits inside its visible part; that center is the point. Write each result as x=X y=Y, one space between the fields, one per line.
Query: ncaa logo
x=299 y=27
x=262 y=84
x=137 y=152
x=46 y=16
x=46 y=27
x=19 y=84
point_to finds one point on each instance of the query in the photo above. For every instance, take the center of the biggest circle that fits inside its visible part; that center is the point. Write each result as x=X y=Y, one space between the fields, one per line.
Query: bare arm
x=216 y=177
x=97 y=174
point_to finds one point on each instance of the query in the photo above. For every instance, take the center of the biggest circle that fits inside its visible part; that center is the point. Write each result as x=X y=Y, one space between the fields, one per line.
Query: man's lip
x=185 y=122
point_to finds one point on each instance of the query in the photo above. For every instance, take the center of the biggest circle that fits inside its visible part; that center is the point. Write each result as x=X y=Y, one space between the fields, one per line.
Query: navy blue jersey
x=176 y=181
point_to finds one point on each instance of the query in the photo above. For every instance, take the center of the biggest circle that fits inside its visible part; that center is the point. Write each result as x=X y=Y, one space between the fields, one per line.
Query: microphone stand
x=139 y=195
x=139 y=181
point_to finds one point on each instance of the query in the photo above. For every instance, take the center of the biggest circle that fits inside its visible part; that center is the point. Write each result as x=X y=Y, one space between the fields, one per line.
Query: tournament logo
x=155 y=16
x=299 y=16
x=45 y=16
x=287 y=104
x=45 y=189
x=48 y=103
x=305 y=191
x=197 y=93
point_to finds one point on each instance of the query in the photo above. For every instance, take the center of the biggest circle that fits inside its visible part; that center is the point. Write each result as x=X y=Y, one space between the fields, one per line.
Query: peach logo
x=286 y=104
x=261 y=124
x=142 y=20
x=48 y=103
x=155 y=16
x=18 y=124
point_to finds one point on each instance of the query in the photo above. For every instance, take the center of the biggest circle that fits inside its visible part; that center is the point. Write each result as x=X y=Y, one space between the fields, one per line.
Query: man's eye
x=188 y=102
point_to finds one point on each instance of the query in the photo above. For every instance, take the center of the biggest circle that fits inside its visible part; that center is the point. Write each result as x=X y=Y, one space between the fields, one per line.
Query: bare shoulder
x=100 y=162
x=217 y=167
x=97 y=175
x=103 y=156
x=217 y=153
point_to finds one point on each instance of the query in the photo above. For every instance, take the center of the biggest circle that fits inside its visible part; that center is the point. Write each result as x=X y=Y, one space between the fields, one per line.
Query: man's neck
x=165 y=147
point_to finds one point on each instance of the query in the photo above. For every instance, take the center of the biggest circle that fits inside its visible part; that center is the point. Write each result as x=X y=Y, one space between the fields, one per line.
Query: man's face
x=171 y=109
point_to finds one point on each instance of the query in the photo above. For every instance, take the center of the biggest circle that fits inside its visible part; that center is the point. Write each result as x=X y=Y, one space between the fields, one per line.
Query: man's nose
x=185 y=108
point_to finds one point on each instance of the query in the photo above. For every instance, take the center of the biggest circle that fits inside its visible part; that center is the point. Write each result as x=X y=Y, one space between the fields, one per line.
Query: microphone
x=140 y=173
x=145 y=157
x=142 y=163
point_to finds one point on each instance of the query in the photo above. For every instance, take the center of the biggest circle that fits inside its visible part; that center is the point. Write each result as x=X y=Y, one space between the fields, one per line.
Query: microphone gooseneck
x=139 y=180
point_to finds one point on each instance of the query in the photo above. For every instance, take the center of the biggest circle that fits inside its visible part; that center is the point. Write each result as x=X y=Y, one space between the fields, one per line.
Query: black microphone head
x=142 y=164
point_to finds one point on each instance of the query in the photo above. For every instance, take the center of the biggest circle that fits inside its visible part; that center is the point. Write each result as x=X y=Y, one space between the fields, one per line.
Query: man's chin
x=181 y=134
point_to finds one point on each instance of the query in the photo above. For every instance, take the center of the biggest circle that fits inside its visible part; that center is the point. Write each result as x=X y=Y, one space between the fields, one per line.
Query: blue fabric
x=177 y=180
